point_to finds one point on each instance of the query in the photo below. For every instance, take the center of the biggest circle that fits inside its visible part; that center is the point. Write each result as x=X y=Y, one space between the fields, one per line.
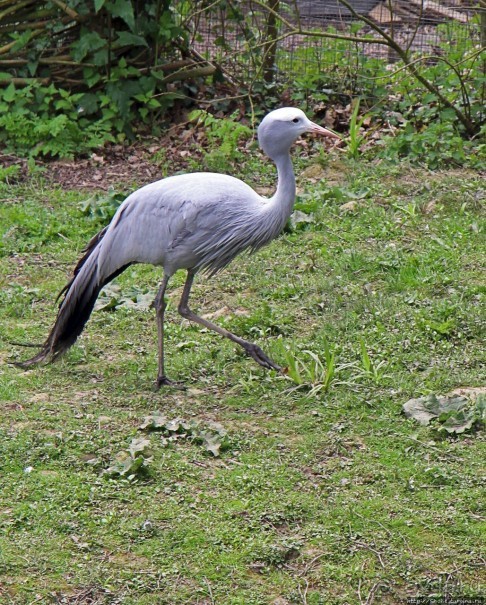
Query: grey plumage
x=197 y=222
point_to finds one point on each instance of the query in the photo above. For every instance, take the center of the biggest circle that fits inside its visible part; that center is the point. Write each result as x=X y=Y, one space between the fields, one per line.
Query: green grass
x=325 y=494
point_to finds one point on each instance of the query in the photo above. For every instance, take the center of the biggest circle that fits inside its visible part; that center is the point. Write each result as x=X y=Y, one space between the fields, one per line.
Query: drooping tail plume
x=80 y=295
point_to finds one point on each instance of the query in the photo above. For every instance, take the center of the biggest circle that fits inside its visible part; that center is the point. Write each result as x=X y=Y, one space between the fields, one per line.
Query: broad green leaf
x=424 y=409
x=452 y=413
x=129 y=39
x=9 y=93
x=125 y=465
x=88 y=42
x=458 y=422
x=98 y=4
x=21 y=41
x=124 y=10
x=299 y=218
x=212 y=437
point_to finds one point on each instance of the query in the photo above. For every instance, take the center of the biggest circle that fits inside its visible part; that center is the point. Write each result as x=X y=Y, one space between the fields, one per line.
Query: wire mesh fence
x=336 y=42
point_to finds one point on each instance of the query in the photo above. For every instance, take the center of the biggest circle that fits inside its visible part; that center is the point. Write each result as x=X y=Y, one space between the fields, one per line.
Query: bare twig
x=69 y=11
x=210 y=591
x=303 y=593
x=371 y=595
x=373 y=550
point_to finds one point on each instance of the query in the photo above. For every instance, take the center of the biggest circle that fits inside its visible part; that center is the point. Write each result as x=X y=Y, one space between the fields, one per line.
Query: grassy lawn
x=324 y=493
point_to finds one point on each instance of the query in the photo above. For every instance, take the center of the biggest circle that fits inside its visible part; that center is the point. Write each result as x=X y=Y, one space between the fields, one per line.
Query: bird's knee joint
x=184 y=311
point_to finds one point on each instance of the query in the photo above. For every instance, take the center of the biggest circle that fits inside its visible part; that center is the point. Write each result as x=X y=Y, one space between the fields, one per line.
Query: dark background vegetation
x=80 y=75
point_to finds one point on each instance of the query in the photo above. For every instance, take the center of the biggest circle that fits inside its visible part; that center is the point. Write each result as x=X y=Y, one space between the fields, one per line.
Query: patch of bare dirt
x=118 y=165
x=113 y=166
x=110 y=167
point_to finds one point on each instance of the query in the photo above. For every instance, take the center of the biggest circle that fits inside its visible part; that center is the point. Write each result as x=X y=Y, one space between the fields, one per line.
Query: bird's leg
x=159 y=304
x=251 y=348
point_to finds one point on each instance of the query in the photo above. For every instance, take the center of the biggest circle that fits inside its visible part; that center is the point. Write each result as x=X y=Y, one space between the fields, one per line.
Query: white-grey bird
x=198 y=222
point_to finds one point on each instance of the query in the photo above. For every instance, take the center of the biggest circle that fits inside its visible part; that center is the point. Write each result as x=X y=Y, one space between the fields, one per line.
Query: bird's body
x=171 y=223
x=198 y=222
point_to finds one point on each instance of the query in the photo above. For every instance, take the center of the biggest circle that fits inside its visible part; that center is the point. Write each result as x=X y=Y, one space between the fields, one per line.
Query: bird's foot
x=260 y=357
x=164 y=381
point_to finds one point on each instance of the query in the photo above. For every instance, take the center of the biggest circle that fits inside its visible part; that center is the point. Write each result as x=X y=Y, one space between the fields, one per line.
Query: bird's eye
x=296 y=120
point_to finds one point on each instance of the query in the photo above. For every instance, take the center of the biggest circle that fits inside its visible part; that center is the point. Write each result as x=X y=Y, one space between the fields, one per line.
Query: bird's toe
x=164 y=381
x=260 y=357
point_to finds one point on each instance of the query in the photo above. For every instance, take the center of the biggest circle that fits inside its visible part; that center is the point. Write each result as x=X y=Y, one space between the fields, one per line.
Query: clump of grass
x=369 y=368
x=313 y=373
x=355 y=139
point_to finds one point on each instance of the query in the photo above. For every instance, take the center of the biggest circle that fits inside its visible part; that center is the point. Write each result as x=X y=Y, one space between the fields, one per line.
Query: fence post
x=270 y=48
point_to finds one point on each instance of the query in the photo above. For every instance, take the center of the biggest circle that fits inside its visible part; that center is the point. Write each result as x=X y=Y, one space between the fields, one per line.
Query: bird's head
x=281 y=128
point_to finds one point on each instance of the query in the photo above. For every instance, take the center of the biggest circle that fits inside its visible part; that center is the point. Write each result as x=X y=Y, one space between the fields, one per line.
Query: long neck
x=274 y=212
x=284 y=197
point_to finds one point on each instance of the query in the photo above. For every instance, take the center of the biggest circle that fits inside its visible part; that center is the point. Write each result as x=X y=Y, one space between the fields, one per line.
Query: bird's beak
x=322 y=131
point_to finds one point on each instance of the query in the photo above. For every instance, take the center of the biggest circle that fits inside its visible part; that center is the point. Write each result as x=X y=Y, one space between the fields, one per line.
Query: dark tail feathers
x=80 y=295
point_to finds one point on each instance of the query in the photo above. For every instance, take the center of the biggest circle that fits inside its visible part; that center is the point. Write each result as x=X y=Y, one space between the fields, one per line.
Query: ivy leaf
x=212 y=437
x=424 y=409
x=213 y=448
x=211 y=441
x=124 y=10
x=175 y=425
x=154 y=422
x=457 y=422
x=131 y=462
x=299 y=218
x=481 y=407
x=139 y=301
x=125 y=466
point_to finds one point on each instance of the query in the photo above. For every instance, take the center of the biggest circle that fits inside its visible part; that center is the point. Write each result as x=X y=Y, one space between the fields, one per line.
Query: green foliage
x=102 y=206
x=9 y=173
x=331 y=70
x=43 y=120
x=113 y=297
x=369 y=368
x=115 y=78
x=438 y=144
x=314 y=374
x=426 y=131
x=212 y=437
x=355 y=139
x=224 y=137
x=132 y=462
